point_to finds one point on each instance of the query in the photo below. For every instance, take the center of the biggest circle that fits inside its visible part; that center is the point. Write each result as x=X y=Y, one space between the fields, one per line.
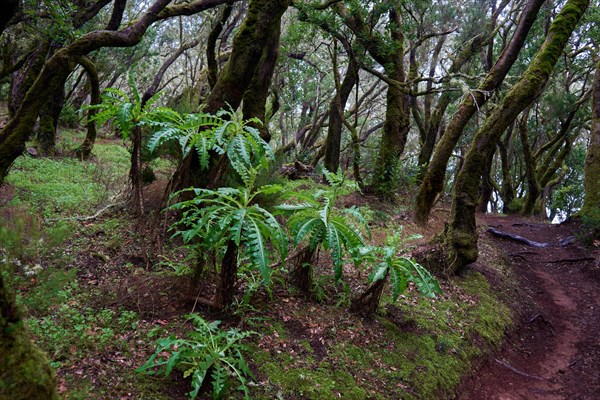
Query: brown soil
x=554 y=352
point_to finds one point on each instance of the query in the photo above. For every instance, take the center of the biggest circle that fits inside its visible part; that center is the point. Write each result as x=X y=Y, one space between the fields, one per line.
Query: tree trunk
x=591 y=182
x=533 y=186
x=367 y=303
x=507 y=192
x=227 y=275
x=24 y=370
x=261 y=25
x=397 y=120
x=336 y=116
x=46 y=135
x=135 y=173
x=302 y=271
x=84 y=151
x=255 y=97
x=460 y=233
x=486 y=189
x=433 y=181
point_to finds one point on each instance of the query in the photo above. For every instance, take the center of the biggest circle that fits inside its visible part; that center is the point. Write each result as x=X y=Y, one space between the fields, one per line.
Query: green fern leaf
x=398 y=280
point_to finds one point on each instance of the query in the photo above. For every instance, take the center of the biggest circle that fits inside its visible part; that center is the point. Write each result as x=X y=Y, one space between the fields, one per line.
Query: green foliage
x=73 y=331
x=208 y=352
x=215 y=217
x=385 y=261
x=568 y=198
x=65 y=186
x=590 y=232
x=69 y=117
x=315 y=219
x=223 y=133
x=126 y=111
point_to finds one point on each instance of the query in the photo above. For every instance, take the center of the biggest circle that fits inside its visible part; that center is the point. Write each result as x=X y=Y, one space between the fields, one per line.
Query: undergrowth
x=415 y=347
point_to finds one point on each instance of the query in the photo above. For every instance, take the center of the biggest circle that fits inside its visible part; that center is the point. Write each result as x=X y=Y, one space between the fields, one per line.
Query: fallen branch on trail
x=518 y=238
x=567 y=260
x=517 y=371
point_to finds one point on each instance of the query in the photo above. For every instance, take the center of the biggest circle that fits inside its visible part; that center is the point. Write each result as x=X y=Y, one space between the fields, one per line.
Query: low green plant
x=71 y=330
x=402 y=270
x=228 y=217
x=387 y=261
x=316 y=220
x=209 y=353
x=225 y=133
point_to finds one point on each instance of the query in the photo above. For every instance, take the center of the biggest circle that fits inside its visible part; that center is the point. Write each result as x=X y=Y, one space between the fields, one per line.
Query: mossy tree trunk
x=85 y=149
x=507 y=192
x=591 y=182
x=260 y=28
x=24 y=370
x=460 y=234
x=433 y=180
x=333 y=141
x=49 y=115
x=389 y=53
x=255 y=97
x=486 y=188
x=397 y=120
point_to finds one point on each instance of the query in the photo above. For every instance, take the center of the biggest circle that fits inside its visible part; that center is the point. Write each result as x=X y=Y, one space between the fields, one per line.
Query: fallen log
x=517 y=238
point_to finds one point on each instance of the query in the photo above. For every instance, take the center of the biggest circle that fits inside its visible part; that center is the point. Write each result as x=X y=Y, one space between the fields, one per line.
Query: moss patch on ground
x=416 y=348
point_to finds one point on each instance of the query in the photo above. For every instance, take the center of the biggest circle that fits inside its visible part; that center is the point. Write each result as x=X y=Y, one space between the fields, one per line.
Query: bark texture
x=86 y=147
x=460 y=233
x=261 y=26
x=227 y=275
x=336 y=116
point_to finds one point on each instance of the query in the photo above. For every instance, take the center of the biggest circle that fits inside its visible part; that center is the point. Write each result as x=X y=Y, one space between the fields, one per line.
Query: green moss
x=490 y=318
x=67 y=186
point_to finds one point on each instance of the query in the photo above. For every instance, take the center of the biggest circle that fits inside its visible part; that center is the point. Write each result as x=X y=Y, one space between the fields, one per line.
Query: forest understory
x=108 y=285
x=307 y=199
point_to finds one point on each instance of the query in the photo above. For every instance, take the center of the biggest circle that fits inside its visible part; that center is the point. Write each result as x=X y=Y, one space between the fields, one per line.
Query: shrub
x=209 y=352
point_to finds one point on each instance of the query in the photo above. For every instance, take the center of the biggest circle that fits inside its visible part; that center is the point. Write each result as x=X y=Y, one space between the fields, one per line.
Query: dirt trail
x=555 y=353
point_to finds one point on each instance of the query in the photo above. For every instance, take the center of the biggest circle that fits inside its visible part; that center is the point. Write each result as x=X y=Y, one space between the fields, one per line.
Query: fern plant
x=225 y=133
x=387 y=263
x=228 y=217
x=315 y=221
x=208 y=355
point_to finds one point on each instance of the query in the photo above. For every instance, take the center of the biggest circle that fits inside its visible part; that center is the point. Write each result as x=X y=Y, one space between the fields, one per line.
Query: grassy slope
x=89 y=305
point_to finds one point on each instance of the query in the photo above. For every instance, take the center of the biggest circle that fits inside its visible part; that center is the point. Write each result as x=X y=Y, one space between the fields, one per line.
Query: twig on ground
x=519 y=372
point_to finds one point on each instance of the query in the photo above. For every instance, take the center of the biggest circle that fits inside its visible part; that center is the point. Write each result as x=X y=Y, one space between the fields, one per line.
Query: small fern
x=317 y=221
x=401 y=270
x=209 y=353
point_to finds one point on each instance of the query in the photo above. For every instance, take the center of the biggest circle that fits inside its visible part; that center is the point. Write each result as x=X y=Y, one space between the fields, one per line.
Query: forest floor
x=554 y=352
